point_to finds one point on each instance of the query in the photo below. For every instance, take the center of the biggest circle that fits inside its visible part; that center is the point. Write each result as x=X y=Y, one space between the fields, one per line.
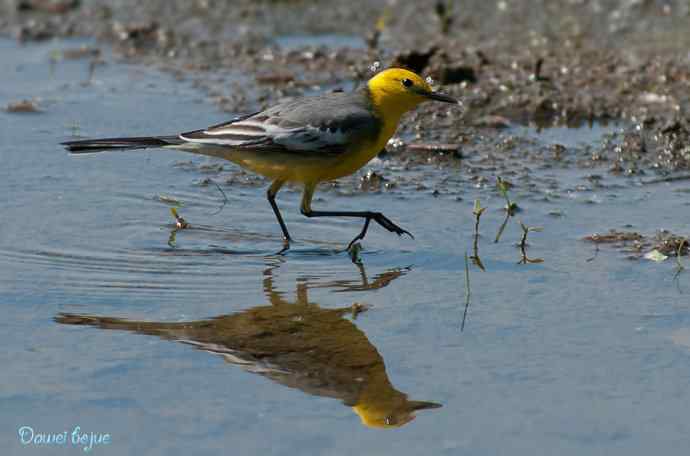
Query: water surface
x=187 y=348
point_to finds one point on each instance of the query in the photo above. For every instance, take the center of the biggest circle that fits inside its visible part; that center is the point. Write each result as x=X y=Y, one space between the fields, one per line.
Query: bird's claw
x=390 y=226
x=286 y=246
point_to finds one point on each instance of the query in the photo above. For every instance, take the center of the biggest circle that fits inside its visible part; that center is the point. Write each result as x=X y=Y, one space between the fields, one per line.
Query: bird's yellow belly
x=304 y=168
x=349 y=163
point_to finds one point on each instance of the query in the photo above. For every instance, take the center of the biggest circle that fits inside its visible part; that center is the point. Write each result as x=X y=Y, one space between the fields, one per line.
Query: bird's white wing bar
x=256 y=134
x=247 y=128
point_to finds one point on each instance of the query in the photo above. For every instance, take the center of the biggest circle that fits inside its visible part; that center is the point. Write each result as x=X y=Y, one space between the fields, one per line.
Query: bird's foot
x=286 y=246
x=389 y=225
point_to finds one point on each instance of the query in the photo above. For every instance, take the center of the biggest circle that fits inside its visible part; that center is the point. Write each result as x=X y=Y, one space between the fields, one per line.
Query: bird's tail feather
x=99 y=145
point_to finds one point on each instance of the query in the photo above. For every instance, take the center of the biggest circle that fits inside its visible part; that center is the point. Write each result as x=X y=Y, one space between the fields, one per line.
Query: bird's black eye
x=407 y=82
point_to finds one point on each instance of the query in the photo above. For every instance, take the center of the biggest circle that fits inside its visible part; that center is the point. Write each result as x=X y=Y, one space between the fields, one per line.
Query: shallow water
x=575 y=355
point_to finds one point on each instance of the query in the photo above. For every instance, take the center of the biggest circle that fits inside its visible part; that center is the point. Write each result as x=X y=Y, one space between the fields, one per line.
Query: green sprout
x=511 y=208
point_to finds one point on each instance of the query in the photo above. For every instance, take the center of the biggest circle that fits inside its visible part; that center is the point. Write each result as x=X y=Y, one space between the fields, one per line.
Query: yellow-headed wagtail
x=307 y=140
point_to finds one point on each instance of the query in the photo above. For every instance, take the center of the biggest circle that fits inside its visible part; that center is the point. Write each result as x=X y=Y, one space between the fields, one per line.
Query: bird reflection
x=296 y=344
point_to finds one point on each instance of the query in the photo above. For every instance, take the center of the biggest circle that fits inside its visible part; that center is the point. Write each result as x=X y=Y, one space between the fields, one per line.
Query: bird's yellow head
x=396 y=91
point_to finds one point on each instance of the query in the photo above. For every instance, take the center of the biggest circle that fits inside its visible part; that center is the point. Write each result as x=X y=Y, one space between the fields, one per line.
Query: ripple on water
x=157 y=269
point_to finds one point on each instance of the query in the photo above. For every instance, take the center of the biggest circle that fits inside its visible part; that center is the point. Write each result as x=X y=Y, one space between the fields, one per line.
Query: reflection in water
x=297 y=344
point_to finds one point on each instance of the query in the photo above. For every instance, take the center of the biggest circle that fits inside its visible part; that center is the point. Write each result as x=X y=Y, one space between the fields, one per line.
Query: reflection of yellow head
x=382 y=418
x=382 y=406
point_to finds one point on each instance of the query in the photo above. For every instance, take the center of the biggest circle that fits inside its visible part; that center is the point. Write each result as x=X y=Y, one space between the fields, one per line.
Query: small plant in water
x=511 y=208
x=477 y=211
x=467 y=293
x=523 y=244
x=503 y=186
x=180 y=224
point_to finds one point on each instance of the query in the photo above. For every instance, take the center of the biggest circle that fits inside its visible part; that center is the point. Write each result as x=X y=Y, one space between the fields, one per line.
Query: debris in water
x=614 y=236
x=655 y=256
x=22 y=106
x=663 y=243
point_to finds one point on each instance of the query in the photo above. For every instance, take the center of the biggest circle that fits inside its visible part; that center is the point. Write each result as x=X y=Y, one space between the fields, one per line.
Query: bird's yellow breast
x=359 y=154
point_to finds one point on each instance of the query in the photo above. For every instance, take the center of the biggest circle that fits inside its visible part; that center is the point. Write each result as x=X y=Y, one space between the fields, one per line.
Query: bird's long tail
x=87 y=146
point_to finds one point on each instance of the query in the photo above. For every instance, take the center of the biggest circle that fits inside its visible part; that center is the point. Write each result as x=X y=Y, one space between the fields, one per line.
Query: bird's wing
x=326 y=124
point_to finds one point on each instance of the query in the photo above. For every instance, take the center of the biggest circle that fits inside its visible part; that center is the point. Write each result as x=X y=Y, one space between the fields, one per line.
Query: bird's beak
x=440 y=97
x=436 y=96
x=423 y=405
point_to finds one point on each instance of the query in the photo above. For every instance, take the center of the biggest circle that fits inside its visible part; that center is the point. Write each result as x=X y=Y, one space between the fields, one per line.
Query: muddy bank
x=512 y=63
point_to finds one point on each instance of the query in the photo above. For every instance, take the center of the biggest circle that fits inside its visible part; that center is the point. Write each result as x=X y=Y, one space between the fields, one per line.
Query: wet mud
x=536 y=63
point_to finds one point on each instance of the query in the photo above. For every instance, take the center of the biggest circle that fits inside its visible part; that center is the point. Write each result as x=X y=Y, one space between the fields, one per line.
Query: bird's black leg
x=367 y=216
x=271 y=195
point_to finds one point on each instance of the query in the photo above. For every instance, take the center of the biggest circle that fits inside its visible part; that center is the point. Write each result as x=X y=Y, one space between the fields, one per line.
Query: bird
x=306 y=140
x=294 y=343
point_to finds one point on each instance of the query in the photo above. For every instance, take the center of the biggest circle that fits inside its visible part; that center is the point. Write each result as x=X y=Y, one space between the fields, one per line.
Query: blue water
x=566 y=357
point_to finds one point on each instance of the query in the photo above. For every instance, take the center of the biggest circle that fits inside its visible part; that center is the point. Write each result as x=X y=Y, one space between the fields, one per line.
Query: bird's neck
x=387 y=110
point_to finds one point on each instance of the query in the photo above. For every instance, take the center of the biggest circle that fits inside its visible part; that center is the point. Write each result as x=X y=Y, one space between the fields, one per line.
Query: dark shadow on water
x=297 y=344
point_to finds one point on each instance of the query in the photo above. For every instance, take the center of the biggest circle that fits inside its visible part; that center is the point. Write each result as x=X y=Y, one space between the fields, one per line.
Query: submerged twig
x=596 y=253
x=477 y=211
x=225 y=197
x=523 y=244
x=467 y=292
